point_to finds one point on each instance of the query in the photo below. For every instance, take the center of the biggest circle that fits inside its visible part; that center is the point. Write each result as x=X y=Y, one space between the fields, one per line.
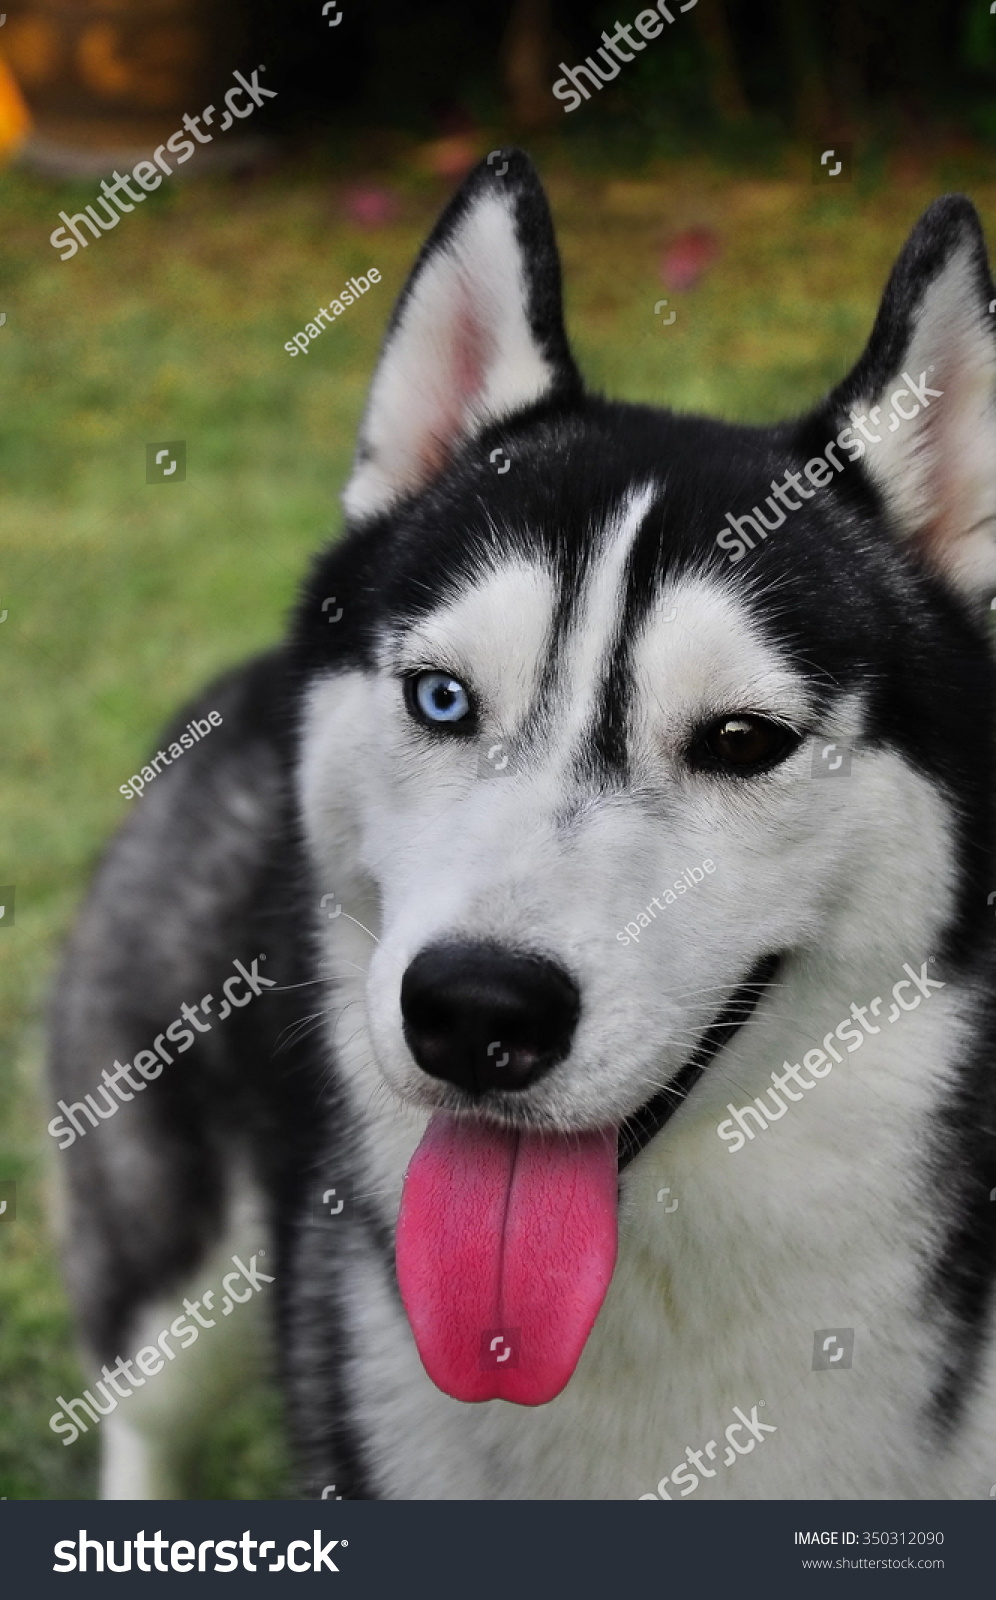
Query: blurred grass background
x=121 y=598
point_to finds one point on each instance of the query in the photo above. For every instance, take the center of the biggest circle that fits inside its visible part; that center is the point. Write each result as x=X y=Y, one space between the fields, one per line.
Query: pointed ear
x=477 y=335
x=925 y=390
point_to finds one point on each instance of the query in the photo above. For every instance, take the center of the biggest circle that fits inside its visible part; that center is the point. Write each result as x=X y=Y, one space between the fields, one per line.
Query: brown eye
x=743 y=744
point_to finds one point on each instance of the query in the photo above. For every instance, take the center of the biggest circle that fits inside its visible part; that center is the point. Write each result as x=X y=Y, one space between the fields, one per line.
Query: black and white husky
x=617 y=829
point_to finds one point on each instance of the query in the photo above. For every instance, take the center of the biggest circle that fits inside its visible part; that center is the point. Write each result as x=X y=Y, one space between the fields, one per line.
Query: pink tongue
x=506 y=1243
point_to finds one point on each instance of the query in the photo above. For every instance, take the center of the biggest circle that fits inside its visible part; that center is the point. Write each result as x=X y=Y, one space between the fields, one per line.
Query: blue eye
x=437 y=698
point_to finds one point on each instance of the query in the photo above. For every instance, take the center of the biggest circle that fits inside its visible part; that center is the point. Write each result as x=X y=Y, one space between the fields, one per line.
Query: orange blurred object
x=451 y=157
x=105 y=81
x=15 y=119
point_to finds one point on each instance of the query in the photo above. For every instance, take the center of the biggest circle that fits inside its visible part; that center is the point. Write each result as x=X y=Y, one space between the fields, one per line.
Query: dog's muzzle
x=637 y=1131
x=506 y=1238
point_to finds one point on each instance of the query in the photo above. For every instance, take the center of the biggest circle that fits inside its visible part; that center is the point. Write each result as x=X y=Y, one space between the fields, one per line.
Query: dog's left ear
x=476 y=336
x=925 y=392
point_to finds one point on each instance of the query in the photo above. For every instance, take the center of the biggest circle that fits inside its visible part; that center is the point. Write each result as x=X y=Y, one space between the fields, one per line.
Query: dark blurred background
x=733 y=70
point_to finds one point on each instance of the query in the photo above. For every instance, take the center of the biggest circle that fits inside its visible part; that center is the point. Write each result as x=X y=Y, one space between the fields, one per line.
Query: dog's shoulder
x=180 y=880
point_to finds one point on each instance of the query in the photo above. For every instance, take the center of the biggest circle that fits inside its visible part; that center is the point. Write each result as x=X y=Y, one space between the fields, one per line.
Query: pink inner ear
x=948 y=494
x=470 y=348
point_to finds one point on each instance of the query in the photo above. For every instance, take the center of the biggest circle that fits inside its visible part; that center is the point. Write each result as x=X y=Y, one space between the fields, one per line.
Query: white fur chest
x=733 y=1271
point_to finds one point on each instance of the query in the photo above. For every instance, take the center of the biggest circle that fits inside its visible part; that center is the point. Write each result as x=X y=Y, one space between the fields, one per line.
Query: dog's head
x=620 y=708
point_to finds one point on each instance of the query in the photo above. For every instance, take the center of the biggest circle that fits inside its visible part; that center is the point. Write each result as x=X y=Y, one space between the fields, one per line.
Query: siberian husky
x=617 y=1106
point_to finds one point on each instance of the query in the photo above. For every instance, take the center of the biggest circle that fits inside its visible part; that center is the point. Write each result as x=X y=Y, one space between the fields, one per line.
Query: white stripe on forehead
x=595 y=629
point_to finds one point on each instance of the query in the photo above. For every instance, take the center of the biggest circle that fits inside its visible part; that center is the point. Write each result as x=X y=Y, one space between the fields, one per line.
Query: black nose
x=486 y=1018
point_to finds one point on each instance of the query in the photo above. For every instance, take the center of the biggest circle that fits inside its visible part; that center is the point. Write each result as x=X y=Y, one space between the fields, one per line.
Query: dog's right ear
x=476 y=336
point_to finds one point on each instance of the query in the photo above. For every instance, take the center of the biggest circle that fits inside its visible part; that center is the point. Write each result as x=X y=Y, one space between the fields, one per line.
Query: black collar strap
x=638 y=1130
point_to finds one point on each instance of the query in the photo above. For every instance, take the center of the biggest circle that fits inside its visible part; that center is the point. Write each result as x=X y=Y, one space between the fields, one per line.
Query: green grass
x=122 y=597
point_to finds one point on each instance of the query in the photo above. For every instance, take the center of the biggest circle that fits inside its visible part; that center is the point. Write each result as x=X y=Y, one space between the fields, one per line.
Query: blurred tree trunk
x=850 y=64
x=726 y=89
x=810 y=100
x=528 y=55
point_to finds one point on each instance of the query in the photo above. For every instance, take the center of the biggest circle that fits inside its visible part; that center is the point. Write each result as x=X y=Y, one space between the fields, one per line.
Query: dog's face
x=587 y=756
x=578 y=758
